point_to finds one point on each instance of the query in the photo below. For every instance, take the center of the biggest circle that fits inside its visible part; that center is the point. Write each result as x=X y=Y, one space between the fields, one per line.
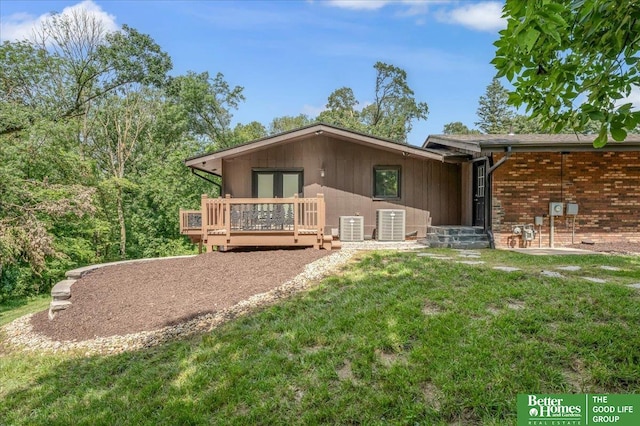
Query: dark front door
x=479 y=182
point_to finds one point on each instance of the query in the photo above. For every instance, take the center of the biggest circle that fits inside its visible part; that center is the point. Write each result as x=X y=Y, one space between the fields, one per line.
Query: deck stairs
x=457 y=237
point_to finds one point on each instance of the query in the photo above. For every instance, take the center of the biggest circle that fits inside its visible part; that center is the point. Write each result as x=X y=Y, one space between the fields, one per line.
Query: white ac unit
x=390 y=225
x=351 y=228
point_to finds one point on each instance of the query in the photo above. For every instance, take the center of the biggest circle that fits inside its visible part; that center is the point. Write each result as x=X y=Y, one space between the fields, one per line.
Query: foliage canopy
x=572 y=62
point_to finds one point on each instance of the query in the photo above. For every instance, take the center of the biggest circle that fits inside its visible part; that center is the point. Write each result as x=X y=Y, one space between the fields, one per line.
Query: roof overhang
x=474 y=144
x=212 y=162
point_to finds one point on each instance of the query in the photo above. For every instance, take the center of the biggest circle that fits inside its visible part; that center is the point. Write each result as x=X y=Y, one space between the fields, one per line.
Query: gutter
x=488 y=219
x=209 y=180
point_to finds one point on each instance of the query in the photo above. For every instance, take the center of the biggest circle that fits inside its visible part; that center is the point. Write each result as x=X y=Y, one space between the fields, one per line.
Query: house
x=357 y=175
x=295 y=188
x=510 y=180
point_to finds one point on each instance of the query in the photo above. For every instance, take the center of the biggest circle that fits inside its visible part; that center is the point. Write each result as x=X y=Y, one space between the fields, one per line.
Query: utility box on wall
x=572 y=209
x=556 y=209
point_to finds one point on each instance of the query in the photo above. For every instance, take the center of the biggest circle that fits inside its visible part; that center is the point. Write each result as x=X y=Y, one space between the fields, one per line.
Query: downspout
x=209 y=180
x=488 y=193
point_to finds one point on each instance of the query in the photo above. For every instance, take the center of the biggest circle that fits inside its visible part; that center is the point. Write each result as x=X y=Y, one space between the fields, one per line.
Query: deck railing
x=244 y=217
x=190 y=222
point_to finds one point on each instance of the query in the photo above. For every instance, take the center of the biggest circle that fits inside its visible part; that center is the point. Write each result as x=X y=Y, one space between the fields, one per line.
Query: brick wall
x=605 y=185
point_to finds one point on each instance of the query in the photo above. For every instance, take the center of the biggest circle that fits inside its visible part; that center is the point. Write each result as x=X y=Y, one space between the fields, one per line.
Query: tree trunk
x=123 y=227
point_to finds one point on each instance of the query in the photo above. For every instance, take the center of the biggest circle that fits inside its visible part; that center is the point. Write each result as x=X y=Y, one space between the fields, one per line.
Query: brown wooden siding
x=428 y=189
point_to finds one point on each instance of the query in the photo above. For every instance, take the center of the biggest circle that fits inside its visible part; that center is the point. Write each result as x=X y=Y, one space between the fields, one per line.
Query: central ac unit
x=390 y=225
x=351 y=228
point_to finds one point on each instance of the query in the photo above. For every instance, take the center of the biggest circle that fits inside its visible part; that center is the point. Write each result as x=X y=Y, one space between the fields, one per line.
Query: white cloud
x=20 y=26
x=359 y=4
x=633 y=98
x=484 y=16
x=411 y=7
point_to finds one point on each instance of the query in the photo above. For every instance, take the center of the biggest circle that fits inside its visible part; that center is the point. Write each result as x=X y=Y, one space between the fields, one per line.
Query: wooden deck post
x=204 y=221
x=321 y=215
x=227 y=216
x=296 y=208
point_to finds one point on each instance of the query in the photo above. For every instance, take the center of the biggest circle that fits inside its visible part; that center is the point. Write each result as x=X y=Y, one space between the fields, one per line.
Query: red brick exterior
x=605 y=185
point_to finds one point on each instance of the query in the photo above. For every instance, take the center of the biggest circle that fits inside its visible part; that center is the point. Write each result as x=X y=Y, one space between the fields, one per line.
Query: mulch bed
x=123 y=299
x=617 y=247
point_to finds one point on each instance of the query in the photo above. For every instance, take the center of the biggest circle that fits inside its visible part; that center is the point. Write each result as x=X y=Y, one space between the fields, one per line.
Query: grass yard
x=17 y=308
x=393 y=339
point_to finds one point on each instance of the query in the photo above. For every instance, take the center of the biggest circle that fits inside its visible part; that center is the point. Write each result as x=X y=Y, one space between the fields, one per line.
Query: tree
x=458 y=128
x=573 y=62
x=392 y=113
x=115 y=134
x=522 y=124
x=288 y=122
x=207 y=103
x=394 y=108
x=70 y=63
x=248 y=132
x=493 y=110
x=341 y=110
x=43 y=187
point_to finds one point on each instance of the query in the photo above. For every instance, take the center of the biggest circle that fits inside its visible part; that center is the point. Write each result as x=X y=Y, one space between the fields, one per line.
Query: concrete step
x=455 y=230
x=458 y=237
x=458 y=244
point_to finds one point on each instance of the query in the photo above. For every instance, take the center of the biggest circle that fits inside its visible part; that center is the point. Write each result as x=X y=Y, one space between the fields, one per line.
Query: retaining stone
x=56 y=306
x=62 y=290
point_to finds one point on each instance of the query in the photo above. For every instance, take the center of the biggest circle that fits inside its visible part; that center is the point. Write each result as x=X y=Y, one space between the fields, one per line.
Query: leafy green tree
x=522 y=124
x=494 y=113
x=43 y=187
x=248 y=132
x=573 y=62
x=394 y=108
x=288 y=122
x=116 y=132
x=458 y=128
x=70 y=63
x=207 y=103
x=390 y=116
x=341 y=110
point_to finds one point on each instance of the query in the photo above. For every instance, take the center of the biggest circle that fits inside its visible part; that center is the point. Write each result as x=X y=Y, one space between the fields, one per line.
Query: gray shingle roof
x=528 y=142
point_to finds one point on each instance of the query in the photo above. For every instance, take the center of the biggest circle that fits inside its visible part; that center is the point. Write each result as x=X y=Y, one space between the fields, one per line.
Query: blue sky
x=290 y=55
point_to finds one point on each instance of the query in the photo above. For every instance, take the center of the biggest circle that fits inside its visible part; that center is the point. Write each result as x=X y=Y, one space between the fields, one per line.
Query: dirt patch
x=123 y=299
x=345 y=372
x=431 y=308
x=432 y=395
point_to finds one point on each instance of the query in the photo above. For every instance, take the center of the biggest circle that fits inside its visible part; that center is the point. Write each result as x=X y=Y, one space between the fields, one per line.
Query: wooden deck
x=236 y=222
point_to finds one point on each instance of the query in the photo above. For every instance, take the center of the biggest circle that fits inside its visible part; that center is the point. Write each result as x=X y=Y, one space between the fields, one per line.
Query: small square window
x=386 y=182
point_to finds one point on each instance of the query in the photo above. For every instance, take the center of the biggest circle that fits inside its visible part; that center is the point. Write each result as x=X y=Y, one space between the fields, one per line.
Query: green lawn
x=17 y=308
x=392 y=339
